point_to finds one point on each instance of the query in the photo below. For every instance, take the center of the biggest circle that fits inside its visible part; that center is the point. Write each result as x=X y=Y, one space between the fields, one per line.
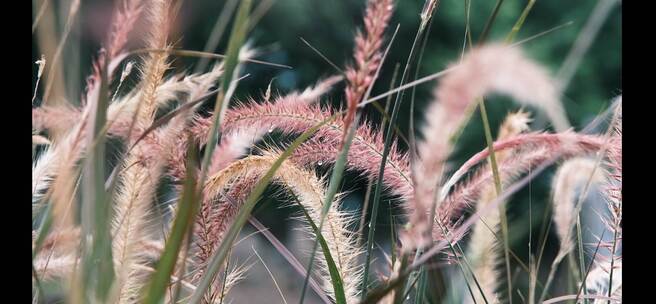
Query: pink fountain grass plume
x=250 y=127
x=367 y=56
x=236 y=143
x=55 y=119
x=556 y=143
x=265 y=115
x=296 y=117
x=364 y=155
x=215 y=217
x=529 y=151
x=233 y=146
x=122 y=25
x=490 y=68
x=125 y=16
x=291 y=115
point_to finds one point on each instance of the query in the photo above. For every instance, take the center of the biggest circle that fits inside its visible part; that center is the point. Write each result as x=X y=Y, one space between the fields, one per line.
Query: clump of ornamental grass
x=106 y=239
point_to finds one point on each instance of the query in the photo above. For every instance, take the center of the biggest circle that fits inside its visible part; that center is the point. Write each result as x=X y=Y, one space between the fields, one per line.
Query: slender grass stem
x=497 y=185
x=490 y=22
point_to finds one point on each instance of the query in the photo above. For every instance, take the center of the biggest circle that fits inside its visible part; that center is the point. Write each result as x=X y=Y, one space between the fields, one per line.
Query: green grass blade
x=97 y=267
x=217 y=32
x=520 y=22
x=237 y=38
x=184 y=220
x=377 y=294
x=497 y=185
x=333 y=186
x=340 y=163
x=381 y=171
x=490 y=22
x=222 y=251
x=338 y=285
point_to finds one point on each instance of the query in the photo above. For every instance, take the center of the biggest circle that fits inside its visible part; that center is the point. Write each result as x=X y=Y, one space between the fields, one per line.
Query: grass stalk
x=497 y=185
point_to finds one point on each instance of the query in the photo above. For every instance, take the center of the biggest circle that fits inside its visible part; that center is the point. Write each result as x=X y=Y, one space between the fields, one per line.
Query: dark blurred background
x=329 y=25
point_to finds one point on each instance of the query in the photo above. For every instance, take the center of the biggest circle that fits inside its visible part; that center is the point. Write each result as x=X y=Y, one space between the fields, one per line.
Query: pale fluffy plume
x=38 y=140
x=55 y=119
x=483 y=252
x=155 y=63
x=57 y=166
x=310 y=192
x=614 y=171
x=125 y=16
x=194 y=86
x=47 y=164
x=487 y=69
x=598 y=280
x=56 y=258
x=119 y=116
x=367 y=56
x=572 y=175
x=503 y=69
x=139 y=179
x=120 y=111
x=57 y=255
x=54 y=266
x=67 y=125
